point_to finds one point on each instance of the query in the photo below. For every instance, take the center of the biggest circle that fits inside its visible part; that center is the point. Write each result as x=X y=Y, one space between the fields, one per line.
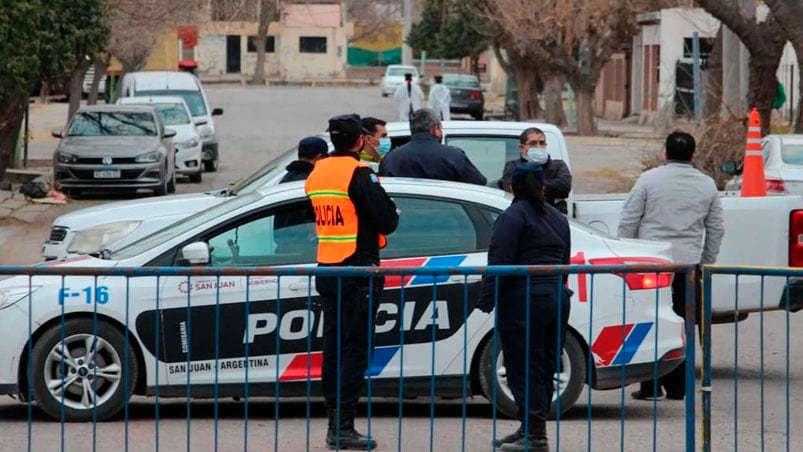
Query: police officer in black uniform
x=529 y=232
x=353 y=213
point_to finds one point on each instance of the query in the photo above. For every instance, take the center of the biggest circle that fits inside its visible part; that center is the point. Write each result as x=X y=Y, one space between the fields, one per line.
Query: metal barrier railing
x=773 y=332
x=85 y=339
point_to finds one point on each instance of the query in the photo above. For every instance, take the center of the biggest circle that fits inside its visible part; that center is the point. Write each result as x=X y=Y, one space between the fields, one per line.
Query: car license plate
x=107 y=174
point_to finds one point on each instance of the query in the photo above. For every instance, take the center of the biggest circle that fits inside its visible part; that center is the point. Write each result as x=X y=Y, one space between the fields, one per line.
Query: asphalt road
x=259 y=124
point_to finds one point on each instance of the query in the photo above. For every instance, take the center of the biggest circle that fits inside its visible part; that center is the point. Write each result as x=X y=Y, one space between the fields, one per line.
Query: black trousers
x=348 y=322
x=532 y=381
x=675 y=382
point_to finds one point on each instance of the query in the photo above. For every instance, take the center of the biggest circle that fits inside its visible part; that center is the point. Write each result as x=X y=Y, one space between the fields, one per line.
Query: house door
x=233 y=54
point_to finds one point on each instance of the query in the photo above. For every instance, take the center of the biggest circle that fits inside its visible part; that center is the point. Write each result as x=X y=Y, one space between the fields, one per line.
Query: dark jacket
x=424 y=157
x=297 y=170
x=557 y=183
x=376 y=214
x=522 y=236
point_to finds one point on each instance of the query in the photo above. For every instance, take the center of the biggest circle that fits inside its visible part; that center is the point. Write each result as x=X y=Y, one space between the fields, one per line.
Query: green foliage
x=19 y=27
x=450 y=31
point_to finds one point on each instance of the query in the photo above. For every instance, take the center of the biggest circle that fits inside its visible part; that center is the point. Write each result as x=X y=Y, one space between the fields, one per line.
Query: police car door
x=415 y=310
x=252 y=312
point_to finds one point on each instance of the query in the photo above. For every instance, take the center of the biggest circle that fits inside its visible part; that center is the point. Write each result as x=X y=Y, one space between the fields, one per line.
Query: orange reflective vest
x=336 y=217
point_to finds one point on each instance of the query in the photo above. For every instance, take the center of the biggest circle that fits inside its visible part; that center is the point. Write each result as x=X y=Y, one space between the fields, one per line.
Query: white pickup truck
x=758 y=231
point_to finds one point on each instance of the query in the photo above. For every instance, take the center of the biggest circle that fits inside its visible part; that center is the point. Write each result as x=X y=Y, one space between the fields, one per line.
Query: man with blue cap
x=310 y=150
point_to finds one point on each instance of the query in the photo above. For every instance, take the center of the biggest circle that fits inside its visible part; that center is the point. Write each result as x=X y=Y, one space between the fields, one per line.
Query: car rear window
x=194 y=100
x=463 y=81
x=400 y=71
x=792 y=154
x=97 y=123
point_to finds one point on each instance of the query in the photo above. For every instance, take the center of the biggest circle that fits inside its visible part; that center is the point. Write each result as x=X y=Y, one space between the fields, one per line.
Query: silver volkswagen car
x=115 y=147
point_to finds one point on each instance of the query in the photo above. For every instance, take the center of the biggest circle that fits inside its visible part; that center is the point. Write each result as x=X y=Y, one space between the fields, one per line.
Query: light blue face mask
x=384 y=146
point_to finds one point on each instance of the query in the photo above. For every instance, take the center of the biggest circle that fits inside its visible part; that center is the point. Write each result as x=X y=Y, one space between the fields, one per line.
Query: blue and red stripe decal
x=610 y=349
x=301 y=363
x=397 y=281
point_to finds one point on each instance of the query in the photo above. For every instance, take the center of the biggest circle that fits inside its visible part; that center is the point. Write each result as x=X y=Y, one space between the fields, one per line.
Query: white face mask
x=537 y=155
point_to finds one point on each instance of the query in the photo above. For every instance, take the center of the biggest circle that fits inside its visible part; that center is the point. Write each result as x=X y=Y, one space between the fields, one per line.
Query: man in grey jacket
x=679 y=204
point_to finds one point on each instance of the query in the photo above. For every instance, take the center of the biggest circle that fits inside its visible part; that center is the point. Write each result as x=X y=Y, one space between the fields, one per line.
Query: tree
x=765 y=42
x=267 y=13
x=371 y=18
x=788 y=14
x=450 y=29
x=574 y=38
x=40 y=40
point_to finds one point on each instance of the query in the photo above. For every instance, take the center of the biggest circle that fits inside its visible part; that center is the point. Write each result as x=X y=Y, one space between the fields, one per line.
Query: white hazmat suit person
x=440 y=98
x=408 y=97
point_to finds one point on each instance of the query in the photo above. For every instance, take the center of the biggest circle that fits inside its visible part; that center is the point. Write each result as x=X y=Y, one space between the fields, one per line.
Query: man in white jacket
x=440 y=98
x=408 y=97
x=679 y=204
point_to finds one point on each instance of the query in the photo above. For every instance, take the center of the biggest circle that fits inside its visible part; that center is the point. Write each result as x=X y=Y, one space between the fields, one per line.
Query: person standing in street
x=558 y=178
x=408 y=97
x=533 y=311
x=310 y=150
x=424 y=157
x=377 y=143
x=679 y=204
x=439 y=99
x=353 y=215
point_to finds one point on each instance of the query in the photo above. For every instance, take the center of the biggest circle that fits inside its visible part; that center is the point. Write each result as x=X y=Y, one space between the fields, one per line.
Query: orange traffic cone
x=753 y=183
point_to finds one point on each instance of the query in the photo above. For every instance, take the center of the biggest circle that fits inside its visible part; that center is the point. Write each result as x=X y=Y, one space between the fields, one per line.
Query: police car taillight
x=638 y=281
x=796 y=238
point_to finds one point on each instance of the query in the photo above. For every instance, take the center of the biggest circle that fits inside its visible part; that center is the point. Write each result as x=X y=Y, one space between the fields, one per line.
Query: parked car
x=86 y=86
x=115 y=147
x=466 y=94
x=394 y=76
x=783 y=165
x=174 y=322
x=176 y=116
x=187 y=86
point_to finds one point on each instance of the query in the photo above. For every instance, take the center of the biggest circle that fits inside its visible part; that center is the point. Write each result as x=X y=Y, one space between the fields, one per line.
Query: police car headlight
x=94 y=239
x=10 y=295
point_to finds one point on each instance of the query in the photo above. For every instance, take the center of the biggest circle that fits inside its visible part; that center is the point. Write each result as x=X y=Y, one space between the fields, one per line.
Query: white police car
x=176 y=331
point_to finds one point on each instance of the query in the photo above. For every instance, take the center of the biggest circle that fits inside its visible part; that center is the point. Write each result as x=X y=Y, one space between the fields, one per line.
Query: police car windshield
x=263 y=175
x=205 y=217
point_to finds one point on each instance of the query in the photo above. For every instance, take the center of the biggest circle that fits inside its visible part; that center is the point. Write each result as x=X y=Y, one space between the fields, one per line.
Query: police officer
x=353 y=213
x=529 y=232
x=310 y=150
x=424 y=157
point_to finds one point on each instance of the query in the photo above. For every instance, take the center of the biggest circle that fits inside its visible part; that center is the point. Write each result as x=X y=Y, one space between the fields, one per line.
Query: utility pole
x=407 y=51
x=731 y=85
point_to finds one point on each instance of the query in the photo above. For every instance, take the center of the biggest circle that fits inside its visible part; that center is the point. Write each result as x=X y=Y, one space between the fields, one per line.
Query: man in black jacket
x=310 y=150
x=558 y=183
x=424 y=157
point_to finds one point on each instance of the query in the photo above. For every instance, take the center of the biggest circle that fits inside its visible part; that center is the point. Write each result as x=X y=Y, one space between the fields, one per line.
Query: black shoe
x=346 y=438
x=641 y=395
x=529 y=443
x=671 y=396
x=511 y=438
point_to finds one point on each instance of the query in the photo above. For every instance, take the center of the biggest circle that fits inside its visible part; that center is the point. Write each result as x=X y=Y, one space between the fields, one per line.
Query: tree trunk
x=763 y=83
x=265 y=14
x=101 y=64
x=553 y=100
x=76 y=88
x=11 y=114
x=584 y=110
x=799 y=116
x=529 y=103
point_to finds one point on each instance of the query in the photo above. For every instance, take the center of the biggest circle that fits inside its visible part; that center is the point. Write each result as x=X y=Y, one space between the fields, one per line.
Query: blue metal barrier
x=155 y=344
x=760 y=279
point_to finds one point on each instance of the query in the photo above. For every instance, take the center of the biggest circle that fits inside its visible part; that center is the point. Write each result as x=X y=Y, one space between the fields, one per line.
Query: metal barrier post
x=691 y=315
x=706 y=344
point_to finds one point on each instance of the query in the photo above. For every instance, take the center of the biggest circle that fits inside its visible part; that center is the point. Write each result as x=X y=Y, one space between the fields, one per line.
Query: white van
x=187 y=86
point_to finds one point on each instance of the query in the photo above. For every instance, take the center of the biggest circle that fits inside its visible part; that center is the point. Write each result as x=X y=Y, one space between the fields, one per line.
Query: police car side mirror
x=194 y=254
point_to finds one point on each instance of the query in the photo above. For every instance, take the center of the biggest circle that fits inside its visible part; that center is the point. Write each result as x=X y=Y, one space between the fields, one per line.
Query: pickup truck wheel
x=171 y=184
x=572 y=377
x=83 y=372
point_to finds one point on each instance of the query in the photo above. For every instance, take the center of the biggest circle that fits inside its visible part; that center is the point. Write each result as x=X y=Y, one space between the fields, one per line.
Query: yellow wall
x=391 y=38
x=163 y=58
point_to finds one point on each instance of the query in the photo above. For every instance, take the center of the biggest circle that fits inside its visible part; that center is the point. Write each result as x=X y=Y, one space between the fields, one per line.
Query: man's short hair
x=370 y=124
x=408 y=75
x=527 y=132
x=680 y=146
x=438 y=78
x=423 y=120
x=311 y=147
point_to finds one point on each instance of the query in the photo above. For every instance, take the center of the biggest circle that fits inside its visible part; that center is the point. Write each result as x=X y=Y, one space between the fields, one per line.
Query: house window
x=312 y=44
x=270 y=44
x=706 y=45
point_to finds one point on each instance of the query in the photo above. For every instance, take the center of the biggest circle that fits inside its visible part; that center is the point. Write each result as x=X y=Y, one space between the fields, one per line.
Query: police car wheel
x=568 y=383
x=84 y=371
